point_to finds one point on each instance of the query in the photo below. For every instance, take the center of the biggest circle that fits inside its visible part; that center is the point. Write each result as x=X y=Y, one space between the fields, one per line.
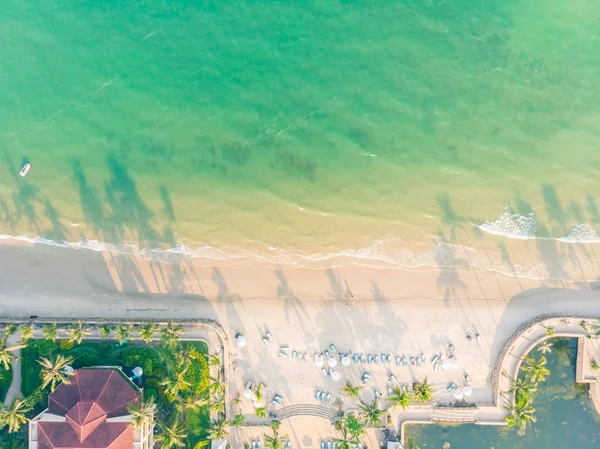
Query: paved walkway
x=15 y=387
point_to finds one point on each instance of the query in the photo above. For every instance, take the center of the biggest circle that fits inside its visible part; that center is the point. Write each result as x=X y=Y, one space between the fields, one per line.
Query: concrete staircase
x=306 y=410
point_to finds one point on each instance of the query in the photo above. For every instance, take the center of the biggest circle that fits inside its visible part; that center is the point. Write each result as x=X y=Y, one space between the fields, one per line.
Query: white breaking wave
x=581 y=233
x=512 y=225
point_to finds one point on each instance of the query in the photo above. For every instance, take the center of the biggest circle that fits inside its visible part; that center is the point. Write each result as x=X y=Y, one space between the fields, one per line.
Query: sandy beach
x=360 y=310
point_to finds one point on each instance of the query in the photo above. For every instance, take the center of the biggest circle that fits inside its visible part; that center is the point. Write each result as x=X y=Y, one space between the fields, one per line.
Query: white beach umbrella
x=455 y=364
x=346 y=360
x=319 y=360
x=241 y=340
x=467 y=390
x=446 y=365
x=335 y=375
x=258 y=404
x=458 y=394
x=138 y=371
x=332 y=362
x=248 y=393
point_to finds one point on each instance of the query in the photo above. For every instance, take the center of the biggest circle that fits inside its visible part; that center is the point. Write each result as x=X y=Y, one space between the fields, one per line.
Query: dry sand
x=358 y=309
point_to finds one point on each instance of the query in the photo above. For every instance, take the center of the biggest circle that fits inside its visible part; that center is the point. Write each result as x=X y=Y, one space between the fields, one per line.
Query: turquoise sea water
x=361 y=128
x=564 y=412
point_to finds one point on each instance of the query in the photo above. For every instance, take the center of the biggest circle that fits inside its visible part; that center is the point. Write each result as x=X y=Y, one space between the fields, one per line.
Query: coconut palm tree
x=105 y=331
x=276 y=440
x=216 y=386
x=147 y=332
x=423 y=392
x=400 y=398
x=545 y=347
x=143 y=412
x=50 y=332
x=217 y=405
x=193 y=402
x=521 y=414
x=170 y=334
x=372 y=414
x=214 y=360
x=351 y=428
x=258 y=393
x=27 y=332
x=351 y=391
x=347 y=440
x=53 y=372
x=536 y=368
x=261 y=412
x=218 y=429
x=14 y=416
x=6 y=352
x=522 y=388
x=550 y=331
x=77 y=332
x=184 y=354
x=123 y=332
x=175 y=384
x=171 y=436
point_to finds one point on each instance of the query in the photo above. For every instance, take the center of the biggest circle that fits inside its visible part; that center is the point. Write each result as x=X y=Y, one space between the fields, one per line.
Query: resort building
x=90 y=413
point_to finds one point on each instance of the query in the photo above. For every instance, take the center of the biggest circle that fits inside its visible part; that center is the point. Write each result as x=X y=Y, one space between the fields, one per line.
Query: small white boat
x=25 y=169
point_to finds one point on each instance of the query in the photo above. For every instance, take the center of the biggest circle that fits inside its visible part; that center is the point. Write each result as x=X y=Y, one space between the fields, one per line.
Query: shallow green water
x=565 y=416
x=303 y=127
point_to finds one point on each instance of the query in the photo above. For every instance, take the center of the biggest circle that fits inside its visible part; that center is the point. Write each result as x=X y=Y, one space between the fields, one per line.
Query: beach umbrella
x=69 y=370
x=346 y=360
x=258 y=404
x=446 y=365
x=467 y=390
x=458 y=394
x=332 y=362
x=335 y=375
x=241 y=340
x=319 y=360
x=138 y=371
x=455 y=364
x=248 y=393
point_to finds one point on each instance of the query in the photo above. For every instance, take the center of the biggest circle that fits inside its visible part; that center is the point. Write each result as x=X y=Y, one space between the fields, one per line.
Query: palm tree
x=14 y=415
x=105 y=331
x=218 y=429
x=521 y=414
x=123 y=333
x=274 y=441
x=423 y=392
x=351 y=391
x=147 y=332
x=175 y=384
x=171 y=436
x=351 y=429
x=545 y=347
x=76 y=332
x=50 y=332
x=170 y=334
x=27 y=332
x=6 y=352
x=261 y=412
x=372 y=414
x=184 y=354
x=216 y=386
x=218 y=405
x=522 y=388
x=54 y=373
x=536 y=368
x=214 y=360
x=142 y=413
x=550 y=331
x=258 y=393
x=193 y=402
x=9 y=329
x=347 y=441
x=400 y=398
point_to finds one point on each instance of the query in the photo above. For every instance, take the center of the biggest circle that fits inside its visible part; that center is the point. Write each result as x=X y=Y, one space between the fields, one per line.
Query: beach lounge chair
x=322 y=444
x=254 y=445
x=324 y=371
x=318 y=395
x=333 y=348
x=289 y=445
x=370 y=359
x=376 y=359
x=259 y=445
x=422 y=358
x=451 y=387
x=327 y=355
x=393 y=378
x=362 y=358
x=435 y=359
x=269 y=336
x=418 y=361
x=404 y=362
x=356 y=359
x=383 y=358
x=398 y=360
x=436 y=367
x=294 y=354
x=389 y=391
x=329 y=445
x=283 y=354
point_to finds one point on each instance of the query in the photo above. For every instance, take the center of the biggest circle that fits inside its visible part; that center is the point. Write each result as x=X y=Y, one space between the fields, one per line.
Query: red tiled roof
x=92 y=396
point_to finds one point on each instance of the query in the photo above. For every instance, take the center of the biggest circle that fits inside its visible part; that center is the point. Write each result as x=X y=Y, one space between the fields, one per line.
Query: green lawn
x=5 y=380
x=153 y=358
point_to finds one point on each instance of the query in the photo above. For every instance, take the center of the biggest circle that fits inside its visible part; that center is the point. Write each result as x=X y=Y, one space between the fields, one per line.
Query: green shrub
x=85 y=357
x=238 y=420
x=66 y=345
x=143 y=356
x=150 y=392
x=197 y=374
x=45 y=347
